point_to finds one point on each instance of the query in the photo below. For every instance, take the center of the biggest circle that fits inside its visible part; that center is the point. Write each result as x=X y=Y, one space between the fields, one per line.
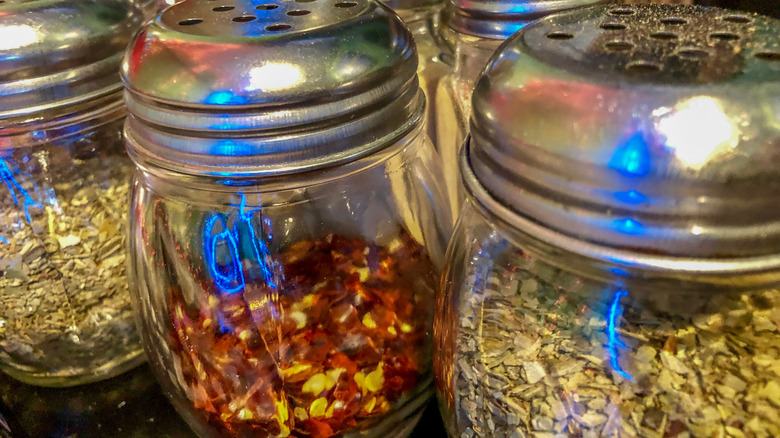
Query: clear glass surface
x=527 y=346
x=299 y=305
x=435 y=59
x=453 y=107
x=65 y=313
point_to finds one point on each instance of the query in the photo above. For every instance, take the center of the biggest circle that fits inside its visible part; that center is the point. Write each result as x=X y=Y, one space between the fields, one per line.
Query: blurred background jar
x=476 y=29
x=423 y=18
x=150 y=8
x=615 y=269
x=162 y=4
x=288 y=230
x=65 y=314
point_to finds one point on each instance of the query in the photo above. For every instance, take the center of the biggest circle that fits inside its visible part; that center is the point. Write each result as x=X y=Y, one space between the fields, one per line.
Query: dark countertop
x=131 y=405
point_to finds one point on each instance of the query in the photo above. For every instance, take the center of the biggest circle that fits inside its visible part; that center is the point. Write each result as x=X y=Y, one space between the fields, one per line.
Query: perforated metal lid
x=650 y=127
x=499 y=19
x=56 y=56
x=242 y=87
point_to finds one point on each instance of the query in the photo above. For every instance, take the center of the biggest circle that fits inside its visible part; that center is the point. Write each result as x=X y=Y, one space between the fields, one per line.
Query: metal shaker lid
x=58 y=55
x=647 y=127
x=247 y=88
x=499 y=19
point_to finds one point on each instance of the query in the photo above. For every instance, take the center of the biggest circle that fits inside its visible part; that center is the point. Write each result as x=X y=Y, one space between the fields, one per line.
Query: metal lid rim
x=629 y=259
x=152 y=153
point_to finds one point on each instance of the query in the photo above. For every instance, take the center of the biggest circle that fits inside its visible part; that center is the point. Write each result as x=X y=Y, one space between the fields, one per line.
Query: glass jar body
x=453 y=106
x=435 y=58
x=65 y=313
x=528 y=346
x=291 y=305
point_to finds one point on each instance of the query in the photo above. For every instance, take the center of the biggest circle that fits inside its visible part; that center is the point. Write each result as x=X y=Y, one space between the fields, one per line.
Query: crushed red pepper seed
x=343 y=335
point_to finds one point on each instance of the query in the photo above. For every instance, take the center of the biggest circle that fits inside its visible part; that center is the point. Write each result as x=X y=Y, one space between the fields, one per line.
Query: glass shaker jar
x=615 y=268
x=287 y=229
x=65 y=313
x=477 y=28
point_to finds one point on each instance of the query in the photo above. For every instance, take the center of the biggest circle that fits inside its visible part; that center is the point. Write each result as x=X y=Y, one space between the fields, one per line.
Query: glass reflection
x=613 y=322
x=17 y=190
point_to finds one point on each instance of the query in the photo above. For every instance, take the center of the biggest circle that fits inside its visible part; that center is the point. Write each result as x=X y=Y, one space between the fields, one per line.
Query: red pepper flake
x=343 y=335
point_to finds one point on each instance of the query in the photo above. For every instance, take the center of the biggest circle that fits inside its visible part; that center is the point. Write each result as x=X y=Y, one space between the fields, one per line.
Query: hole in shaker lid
x=692 y=53
x=277 y=27
x=642 y=67
x=674 y=21
x=665 y=36
x=739 y=19
x=768 y=56
x=613 y=26
x=618 y=46
x=560 y=36
x=622 y=11
x=724 y=36
x=190 y=21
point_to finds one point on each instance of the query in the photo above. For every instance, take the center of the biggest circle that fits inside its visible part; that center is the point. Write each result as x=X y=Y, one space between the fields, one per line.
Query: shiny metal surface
x=56 y=55
x=650 y=128
x=499 y=19
x=253 y=89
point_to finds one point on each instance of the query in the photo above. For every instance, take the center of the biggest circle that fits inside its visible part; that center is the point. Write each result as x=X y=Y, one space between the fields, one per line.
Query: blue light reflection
x=521 y=9
x=223 y=250
x=633 y=157
x=235 y=182
x=225 y=97
x=223 y=261
x=618 y=271
x=9 y=178
x=629 y=226
x=514 y=28
x=259 y=247
x=484 y=259
x=232 y=148
x=631 y=197
x=613 y=343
